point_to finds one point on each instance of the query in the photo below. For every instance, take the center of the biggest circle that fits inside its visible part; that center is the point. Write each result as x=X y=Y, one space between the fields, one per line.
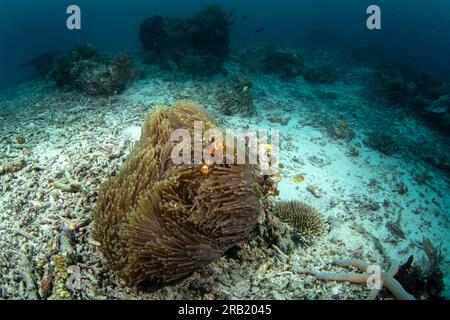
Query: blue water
x=416 y=32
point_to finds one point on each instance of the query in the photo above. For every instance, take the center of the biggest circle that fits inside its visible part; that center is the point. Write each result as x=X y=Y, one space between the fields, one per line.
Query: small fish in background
x=244 y=17
x=258 y=30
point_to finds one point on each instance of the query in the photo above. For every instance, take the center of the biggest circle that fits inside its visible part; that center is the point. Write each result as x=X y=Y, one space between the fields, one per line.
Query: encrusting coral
x=306 y=220
x=159 y=222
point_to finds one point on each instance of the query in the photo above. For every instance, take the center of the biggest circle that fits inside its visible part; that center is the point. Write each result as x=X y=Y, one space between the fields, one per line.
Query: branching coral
x=307 y=221
x=386 y=278
x=158 y=221
x=420 y=92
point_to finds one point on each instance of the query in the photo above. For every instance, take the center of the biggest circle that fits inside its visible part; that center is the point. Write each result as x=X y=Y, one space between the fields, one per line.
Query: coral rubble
x=425 y=95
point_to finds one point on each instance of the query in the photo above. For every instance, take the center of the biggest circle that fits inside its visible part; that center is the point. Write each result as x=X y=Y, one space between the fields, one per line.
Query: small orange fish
x=218 y=146
x=204 y=169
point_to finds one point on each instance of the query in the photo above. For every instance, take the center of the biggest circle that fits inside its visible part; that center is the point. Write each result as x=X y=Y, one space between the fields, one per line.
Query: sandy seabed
x=58 y=147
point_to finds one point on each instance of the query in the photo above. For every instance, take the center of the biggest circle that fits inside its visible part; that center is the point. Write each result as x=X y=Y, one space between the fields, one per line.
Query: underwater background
x=92 y=208
x=415 y=31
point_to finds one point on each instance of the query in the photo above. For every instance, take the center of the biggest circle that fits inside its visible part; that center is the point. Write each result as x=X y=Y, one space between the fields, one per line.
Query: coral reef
x=381 y=142
x=420 y=92
x=158 y=221
x=198 y=45
x=83 y=69
x=285 y=64
x=387 y=278
x=306 y=220
x=236 y=96
x=68 y=184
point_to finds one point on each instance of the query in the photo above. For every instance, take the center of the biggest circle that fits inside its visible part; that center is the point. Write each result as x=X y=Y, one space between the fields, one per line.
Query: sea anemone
x=159 y=222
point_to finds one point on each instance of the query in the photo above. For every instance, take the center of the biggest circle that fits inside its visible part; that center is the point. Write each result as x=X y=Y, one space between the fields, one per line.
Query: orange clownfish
x=204 y=169
x=218 y=145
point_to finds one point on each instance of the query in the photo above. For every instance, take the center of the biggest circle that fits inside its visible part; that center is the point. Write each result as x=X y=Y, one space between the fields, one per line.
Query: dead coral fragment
x=158 y=221
x=12 y=167
x=307 y=221
x=68 y=184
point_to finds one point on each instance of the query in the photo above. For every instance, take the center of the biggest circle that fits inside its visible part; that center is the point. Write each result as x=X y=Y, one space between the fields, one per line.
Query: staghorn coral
x=306 y=220
x=12 y=167
x=159 y=222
